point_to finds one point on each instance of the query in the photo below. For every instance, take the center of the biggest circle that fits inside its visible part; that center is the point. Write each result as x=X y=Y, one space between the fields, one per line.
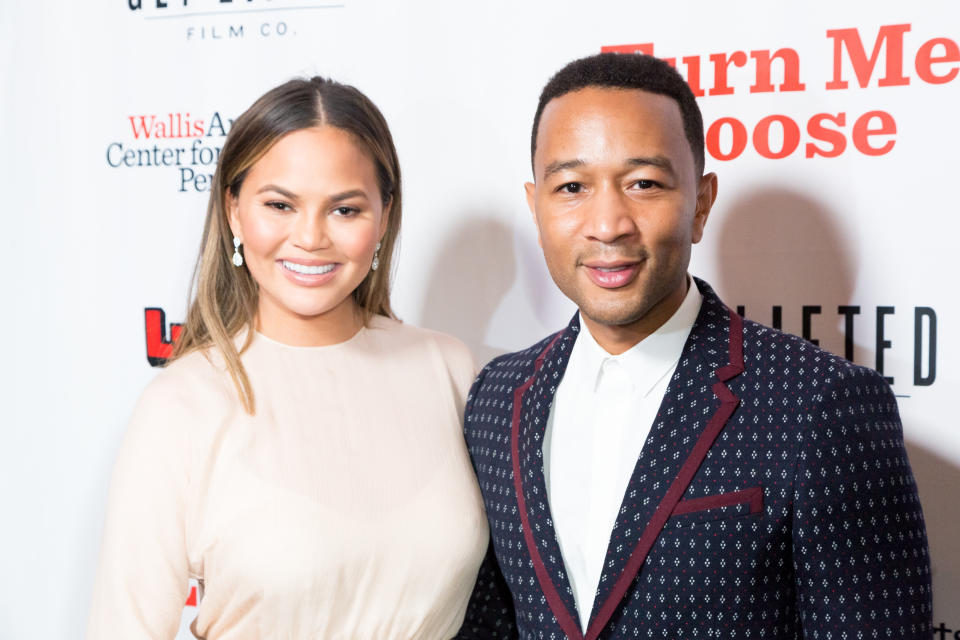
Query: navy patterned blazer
x=772 y=499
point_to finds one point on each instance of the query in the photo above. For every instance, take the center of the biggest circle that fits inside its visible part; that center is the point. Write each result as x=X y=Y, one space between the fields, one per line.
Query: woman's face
x=309 y=215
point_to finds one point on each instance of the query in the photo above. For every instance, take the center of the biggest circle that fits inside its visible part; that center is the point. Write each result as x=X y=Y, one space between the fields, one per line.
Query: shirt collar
x=647 y=361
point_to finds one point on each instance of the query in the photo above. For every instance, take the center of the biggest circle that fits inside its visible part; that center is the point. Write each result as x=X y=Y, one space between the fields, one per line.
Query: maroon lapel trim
x=728 y=404
x=566 y=621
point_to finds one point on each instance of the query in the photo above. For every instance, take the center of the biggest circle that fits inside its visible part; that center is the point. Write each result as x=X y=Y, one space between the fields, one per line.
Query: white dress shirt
x=600 y=418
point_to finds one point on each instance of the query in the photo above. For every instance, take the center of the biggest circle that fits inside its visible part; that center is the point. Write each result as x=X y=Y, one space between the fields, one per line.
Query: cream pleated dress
x=345 y=508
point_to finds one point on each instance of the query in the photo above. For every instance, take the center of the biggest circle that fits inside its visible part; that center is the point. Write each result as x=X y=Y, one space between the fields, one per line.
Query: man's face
x=617 y=202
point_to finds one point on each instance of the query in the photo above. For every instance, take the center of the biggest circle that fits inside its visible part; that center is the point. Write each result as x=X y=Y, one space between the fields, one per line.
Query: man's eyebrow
x=561 y=165
x=661 y=162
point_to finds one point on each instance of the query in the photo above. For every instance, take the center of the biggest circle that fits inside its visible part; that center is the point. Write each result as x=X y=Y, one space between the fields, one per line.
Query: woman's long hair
x=224 y=297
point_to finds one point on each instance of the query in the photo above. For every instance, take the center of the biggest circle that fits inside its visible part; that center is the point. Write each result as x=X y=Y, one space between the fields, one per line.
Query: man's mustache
x=614 y=253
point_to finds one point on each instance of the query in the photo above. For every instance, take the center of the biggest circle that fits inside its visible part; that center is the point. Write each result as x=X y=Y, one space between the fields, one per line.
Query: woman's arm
x=142 y=576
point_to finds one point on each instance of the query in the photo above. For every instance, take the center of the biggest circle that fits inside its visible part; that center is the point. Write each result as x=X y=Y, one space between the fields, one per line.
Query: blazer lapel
x=531 y=410
x=693 y=412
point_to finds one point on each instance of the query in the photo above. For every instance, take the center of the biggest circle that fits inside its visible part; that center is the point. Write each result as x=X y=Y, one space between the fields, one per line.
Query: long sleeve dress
x=346 y=507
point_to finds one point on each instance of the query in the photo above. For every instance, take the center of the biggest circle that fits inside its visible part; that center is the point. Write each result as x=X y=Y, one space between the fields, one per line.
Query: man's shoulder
x=517 y=365
x=795 y=363
x=489 y=408
x=782 y=363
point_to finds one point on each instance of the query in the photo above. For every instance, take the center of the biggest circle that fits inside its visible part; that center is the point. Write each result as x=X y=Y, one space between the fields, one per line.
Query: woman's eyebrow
x=346 y=195
x=280 y=190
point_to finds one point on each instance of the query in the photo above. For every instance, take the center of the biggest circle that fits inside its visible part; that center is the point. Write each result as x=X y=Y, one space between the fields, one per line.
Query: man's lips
x=612 y=274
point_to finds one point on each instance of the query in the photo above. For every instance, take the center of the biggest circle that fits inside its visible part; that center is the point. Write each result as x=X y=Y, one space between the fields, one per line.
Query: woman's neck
x=332 y=327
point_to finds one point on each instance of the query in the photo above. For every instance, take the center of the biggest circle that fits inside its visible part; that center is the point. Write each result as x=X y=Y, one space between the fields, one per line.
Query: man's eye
x=571 y=187
x=645 y=184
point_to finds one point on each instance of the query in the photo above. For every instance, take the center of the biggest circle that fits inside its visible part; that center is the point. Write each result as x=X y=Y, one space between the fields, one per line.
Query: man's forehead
x=600 y=121
x=616 y=101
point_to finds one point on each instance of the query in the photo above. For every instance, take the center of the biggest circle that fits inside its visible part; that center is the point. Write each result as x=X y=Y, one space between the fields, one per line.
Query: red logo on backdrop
x=779 y=135
x=159 y=341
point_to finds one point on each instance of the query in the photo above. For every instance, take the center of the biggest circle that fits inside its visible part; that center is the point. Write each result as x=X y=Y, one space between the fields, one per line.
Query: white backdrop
x=89 y=242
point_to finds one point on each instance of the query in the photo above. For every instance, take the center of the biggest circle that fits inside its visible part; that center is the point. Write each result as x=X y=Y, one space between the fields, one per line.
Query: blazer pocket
x=719 y=506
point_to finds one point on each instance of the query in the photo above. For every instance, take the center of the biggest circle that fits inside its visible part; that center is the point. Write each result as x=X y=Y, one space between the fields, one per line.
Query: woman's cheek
x=356 y=238
x=264 y=235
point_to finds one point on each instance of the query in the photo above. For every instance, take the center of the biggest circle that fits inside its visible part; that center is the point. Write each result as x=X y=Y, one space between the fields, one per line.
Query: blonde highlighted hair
x=224 y=300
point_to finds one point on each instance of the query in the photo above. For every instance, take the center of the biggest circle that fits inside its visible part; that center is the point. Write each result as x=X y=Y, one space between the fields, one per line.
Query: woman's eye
x=345 y=211
x=279 y=206
x=571 y=187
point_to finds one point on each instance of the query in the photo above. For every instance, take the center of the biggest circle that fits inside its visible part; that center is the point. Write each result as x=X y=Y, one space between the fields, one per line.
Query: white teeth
x=309 y=271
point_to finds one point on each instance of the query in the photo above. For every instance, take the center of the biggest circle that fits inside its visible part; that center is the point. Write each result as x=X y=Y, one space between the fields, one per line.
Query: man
x=663 y=468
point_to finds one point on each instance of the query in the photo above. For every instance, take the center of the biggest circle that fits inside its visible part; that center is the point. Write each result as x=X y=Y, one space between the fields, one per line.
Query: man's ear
x=531 y=189
x=706 y=195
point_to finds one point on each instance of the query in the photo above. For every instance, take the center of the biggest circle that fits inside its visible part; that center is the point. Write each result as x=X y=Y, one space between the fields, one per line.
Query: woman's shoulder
x=192 y=385
x=455 y=353
x=176 y=410
x=452 y=348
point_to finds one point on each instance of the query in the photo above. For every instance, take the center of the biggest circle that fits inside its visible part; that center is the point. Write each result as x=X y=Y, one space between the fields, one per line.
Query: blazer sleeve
x=490 y=613
x=860 y=552
x=143 y=572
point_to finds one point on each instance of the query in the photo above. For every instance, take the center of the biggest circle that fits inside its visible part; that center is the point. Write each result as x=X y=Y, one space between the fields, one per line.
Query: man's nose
x=609 y=217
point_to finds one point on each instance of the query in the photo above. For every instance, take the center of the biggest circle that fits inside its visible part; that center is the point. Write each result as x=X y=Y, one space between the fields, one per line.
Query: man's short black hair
x=627 y=71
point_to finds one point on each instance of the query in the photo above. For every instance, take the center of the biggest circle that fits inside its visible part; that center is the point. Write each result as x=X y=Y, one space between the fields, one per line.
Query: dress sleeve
x=859 y=542
x=461 y=367
x=142 y=575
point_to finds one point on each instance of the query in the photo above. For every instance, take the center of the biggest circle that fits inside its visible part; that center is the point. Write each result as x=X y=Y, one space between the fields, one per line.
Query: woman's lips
x=309 y=275
x=614 y=275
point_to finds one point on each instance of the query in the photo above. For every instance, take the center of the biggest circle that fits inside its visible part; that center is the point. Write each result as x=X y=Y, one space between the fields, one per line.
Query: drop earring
x=376 y=258
x=237 y=258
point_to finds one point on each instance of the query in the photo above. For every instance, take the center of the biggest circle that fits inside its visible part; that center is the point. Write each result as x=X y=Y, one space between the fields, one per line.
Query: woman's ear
x=233 y=213
x=385 y=217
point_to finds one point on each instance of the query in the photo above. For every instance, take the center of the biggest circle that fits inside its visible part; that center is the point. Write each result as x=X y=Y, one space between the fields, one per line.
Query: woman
x=302 y=455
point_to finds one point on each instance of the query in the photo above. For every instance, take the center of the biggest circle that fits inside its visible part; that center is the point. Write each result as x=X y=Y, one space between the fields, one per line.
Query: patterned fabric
x=772 y=499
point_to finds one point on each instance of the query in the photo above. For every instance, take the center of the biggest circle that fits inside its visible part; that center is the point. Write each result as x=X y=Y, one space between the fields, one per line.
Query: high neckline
x=376 y=321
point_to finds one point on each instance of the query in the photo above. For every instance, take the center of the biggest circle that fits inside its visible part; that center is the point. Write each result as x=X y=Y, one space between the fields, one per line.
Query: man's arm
x=490 y=612
x=859 y=541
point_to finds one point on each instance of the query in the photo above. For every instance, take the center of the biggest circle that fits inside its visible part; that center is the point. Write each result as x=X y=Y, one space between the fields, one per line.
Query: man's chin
x=614 y=317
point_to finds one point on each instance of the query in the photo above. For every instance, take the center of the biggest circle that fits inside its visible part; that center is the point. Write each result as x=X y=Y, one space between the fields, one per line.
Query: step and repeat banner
x=833 y=128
